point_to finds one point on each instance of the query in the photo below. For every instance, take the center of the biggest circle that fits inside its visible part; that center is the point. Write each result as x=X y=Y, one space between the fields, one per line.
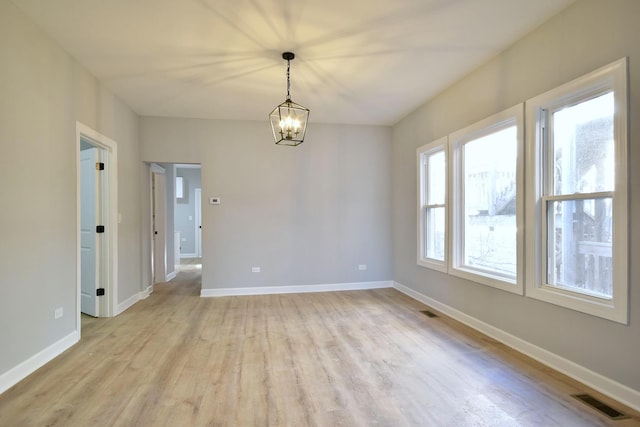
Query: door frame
x=155 y=168
x=197 y=240
x=109 y=257
x=197 y=199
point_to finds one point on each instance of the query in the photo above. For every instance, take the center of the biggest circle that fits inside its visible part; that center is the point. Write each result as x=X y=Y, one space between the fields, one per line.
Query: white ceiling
x=357 y=61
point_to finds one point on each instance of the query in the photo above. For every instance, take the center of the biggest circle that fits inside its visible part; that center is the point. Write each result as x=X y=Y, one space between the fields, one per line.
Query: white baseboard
x=124 y=305
x=145 y=294
x=24 y=369
x=267 y=290
x=607 y=386
x=170 y=276
x=128 y=303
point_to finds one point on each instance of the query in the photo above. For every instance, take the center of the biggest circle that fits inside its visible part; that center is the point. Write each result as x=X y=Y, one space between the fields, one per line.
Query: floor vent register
x=429 y=313
x=612 y=413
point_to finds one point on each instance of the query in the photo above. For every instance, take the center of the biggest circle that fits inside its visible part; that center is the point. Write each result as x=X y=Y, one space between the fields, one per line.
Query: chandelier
x=289 y=120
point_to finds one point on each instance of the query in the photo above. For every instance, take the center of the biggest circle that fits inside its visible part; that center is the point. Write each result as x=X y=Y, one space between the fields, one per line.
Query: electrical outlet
x=58 y=312
x=362 y=267
x=255 y=269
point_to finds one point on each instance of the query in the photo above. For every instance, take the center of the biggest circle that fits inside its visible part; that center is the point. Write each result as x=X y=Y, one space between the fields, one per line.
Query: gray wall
x=43 y=92
x=586 y=36
x=185 y=208
x=305 y=215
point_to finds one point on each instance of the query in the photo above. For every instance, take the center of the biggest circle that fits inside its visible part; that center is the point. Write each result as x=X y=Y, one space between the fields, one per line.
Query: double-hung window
x=432 y=204
x=486 y=242
x=471 y=198
x=577 y=186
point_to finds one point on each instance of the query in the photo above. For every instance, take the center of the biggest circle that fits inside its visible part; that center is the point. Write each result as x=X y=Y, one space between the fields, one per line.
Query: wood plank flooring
x=361 y=358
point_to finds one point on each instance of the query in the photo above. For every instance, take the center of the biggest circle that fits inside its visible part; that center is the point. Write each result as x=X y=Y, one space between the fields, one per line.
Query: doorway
x=187 y=218
x=91 y=217
x=175 y=203
x=96 y=190
x=158 y=225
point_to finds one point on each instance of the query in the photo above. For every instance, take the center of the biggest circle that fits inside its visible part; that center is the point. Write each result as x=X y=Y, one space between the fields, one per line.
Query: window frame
x=513 y=116
x=610 y=78
x=422 y=154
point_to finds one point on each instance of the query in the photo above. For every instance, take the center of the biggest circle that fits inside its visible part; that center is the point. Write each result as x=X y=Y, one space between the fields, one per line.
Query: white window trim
x=611 y=77
x=422 y=152
x=510 y=117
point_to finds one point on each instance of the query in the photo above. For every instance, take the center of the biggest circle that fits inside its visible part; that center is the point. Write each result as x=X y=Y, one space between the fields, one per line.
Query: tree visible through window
x=487 y=202
x=577 y=207
x=490 y=241
x=471 y=220
x=432 y=211
x=580 y=215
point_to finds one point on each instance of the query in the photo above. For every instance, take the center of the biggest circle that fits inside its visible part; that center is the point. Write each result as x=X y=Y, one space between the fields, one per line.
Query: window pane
x=490 y=239
x=435 y=233
x=583 y=147
x=580 y=251
x=436 y=178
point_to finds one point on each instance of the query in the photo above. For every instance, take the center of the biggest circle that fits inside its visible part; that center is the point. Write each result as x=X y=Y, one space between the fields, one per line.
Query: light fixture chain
x=289 y=120
x=288 y=80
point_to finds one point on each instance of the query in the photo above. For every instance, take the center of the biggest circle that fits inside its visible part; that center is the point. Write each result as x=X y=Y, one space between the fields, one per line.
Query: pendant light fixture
x=289 y=120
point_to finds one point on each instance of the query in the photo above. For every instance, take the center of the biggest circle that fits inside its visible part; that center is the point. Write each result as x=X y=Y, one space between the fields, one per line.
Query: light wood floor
x=362 y=358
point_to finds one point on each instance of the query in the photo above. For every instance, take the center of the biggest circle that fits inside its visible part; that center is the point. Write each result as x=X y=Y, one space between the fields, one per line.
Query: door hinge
x=99 y=166
x=99 y=228
x=100 y=292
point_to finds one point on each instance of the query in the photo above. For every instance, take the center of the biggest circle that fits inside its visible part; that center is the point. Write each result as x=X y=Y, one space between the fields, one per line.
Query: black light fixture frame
x=286 y=110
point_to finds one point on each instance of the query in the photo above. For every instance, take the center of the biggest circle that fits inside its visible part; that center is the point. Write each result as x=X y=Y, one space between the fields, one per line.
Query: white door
x=89 y=239
x=198 y=217
x=158 y=219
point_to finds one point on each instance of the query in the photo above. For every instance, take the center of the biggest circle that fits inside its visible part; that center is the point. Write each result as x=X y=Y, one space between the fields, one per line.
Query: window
x=179 y=187
x=578 y=194
x=432 y=207
x=471 y=203
x=486 y=239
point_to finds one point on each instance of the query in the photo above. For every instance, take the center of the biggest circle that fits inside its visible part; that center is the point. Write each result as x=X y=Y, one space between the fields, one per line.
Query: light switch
x=214 y=200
